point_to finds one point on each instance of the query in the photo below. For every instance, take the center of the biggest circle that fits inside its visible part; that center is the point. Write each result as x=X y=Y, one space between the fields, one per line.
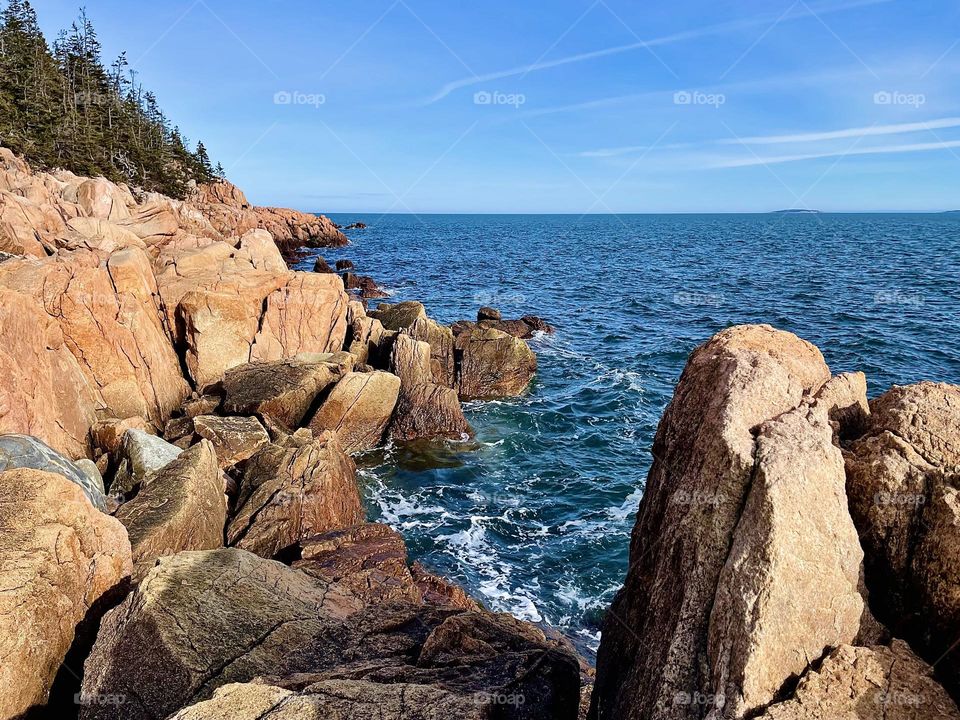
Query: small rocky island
x=183 y=534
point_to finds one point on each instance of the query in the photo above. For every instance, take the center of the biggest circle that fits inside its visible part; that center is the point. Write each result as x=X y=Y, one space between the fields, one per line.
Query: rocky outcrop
x=281 y=393
x=492 y=364
x=140 y=457
x=61 y=560
x=399 y=316
x=26 y=452
x=358 y=409
x=862 y=683
x=234 y=439
x=288 y=494
x=183 y=508
x=654 y=649
x=903 y=480
x=440 y=340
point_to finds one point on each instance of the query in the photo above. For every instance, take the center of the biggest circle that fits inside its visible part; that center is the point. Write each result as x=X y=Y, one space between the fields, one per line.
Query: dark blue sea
x=534 y=517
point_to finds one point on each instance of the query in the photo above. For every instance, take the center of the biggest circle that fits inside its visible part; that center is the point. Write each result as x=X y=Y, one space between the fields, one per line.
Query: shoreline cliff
x=183 y=534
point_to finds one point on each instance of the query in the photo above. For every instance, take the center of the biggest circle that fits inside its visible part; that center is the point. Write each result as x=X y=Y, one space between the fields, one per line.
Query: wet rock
x=902 y=480
x=61 y=559
x=366 y=286
x=493 y=364
x=234 y=439
x=488 y=313
x=140 y=457
x=182 y=508
x=24 y=451
x=525 y=328
x=400 y=316
x=358 y=409
x=200 y=620
x=282 y=392
x=288 y=494
x=356 y=226
x=867 y=682
x=344 y=265
x=322 y=266
x=654 y=645
x=437 y=591
x=370 y=560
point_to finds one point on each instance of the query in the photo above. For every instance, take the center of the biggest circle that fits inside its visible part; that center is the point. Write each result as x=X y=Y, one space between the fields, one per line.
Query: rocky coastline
x=183 y=535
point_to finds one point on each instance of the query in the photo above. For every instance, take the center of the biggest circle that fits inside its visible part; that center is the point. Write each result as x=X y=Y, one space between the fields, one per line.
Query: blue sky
x=563 y=106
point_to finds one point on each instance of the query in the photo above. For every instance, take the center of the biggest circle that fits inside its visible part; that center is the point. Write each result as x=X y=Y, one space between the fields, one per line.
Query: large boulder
x=358 y=409
x=424 y=409
x=367 y=340
x=440 y=340
x=24 y=451
x=288 y=494
x=863 y=683
x=654 y=647
x=183 y=508
x=399 y=316
x=902 y=480
x=772 y=612
x=100 y=198
x=492 y=364
x=281 y=393
x=61 y=560
x=200 y=620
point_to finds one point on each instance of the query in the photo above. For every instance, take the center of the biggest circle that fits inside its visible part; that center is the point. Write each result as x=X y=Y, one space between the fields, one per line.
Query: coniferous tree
x=62 y=107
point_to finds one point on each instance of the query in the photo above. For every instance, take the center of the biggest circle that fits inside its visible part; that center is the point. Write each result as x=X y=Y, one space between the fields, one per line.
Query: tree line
x=61 y=107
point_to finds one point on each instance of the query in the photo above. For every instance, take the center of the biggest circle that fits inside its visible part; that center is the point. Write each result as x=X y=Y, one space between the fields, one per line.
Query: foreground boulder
x=358 y=409
x=140 y=457
x=902 y=479
x=857 y=683
x=24 y=451
x=288 y=494
x=655 y=639
x=183 y=508
x=201 y=621
x=492 y=364
x=61 y=561
x=235 y=439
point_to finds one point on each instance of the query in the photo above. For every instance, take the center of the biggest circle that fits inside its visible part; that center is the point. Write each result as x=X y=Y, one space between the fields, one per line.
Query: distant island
x=796 y=211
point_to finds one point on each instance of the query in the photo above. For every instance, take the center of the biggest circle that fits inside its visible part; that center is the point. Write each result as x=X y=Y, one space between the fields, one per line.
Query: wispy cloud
x=873 y=130
x=882 y=150
x=719 y=29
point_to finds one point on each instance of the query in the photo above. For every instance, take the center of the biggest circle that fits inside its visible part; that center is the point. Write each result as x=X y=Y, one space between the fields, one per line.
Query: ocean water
x=534 y=517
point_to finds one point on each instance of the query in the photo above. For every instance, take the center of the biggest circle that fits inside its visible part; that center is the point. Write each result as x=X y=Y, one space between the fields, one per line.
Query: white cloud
x=873 y=130
x=881 y=150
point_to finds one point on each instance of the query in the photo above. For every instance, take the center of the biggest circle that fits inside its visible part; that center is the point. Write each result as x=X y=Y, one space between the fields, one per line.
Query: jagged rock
x=182 y=508
x=367 y=341
x=493 y=364
x=358 y=409
x=653 y=650
x=524 y=328
x=235 y=439
x=440 y=339
x=258 y=247
x=24 y=451
x=437 y=591
x=200 y=620
x=322 y=266
x=344 y=265
x=424 y=409
x=400 y=316
x=288 y=494
x=772 y=615
x=139 y=458
x=203 y=405
x=488 y=313
x=366 y=286
x=61 y=560
x=369 y=559
x=903 y=480
x=863 y=683
x=282 y=392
